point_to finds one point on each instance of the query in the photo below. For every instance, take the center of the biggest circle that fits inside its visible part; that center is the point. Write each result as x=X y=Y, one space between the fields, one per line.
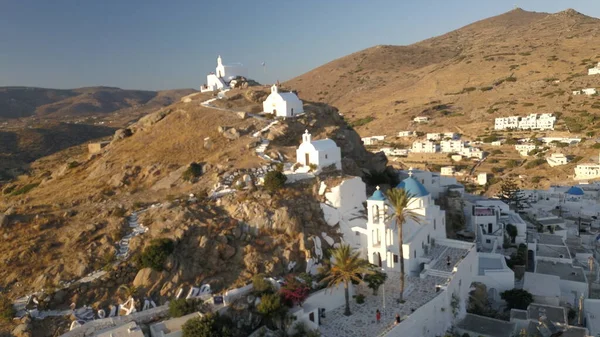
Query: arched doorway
x=377 y=259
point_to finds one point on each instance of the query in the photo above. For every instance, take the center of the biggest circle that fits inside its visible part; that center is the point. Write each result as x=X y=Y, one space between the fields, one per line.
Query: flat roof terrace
x=563 y=270
x=550 y=239
x=557 y=252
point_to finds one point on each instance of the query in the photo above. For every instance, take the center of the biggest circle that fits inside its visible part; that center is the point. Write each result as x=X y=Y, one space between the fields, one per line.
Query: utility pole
x=591 y=265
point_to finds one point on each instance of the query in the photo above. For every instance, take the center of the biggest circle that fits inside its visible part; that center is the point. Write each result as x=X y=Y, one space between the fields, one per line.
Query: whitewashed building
x=392 y=152
x=482 y=179
x=524 y=149
x=223 y=74
x=425 y=147
x=442 y=135
x=321 y=153
x=282 y=104
x=383 y=246
x=421 y=119
x=373 y=140
x=403 y=134
x=595 y=70
x=447 y=171
x=452 y=146
x=472 y=152
x=586 y=91
x=531 y=122
x=506 y=123
x=557 y=159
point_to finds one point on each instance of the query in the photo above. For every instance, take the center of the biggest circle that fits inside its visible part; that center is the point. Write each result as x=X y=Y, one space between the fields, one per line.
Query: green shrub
x=511 y=163
x=496 y=152
x=7 y=311
x=497 y=169
x=260 y=285
x=362 y=121
x=535 y=163
x=155 y=255
x=73 y=165
x=486 y=88
x=536 y=179
x=596 y=146
x=360 y=298
x=119 y=212
x=209 y=325
x=517 y=298
x=193 y=171
x=181 y=307
x=274 y=180
x=24 y=189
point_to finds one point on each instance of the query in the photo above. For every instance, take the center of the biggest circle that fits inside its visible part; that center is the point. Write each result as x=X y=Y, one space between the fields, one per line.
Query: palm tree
x=346 y=267
x=399 y=200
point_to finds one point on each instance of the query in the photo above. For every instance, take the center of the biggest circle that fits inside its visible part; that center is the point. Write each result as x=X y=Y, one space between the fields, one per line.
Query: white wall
x=429 y=320
x=568 y=287
x=328 y=299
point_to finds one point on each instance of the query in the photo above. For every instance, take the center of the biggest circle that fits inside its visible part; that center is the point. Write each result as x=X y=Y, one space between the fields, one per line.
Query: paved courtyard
x=362 y=322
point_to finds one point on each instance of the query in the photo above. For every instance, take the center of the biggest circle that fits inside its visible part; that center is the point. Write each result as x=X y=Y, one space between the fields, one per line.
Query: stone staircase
x=438 y=273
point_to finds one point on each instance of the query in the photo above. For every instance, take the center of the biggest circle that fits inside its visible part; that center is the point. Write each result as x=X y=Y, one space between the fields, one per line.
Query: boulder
x=3 y=220
x=231 y=134
x=146 y=277
x=122 y=134
x=22 y=330
x=208 y=143
x=242 y=114
x=152 y=119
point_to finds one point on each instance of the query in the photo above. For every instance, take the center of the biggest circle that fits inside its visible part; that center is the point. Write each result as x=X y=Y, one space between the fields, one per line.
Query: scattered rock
x=122 y=134
x=3 y=220
x=146 y=277
x=242 y=114
x=208 y=143
x=22 y=330
x=231 y=134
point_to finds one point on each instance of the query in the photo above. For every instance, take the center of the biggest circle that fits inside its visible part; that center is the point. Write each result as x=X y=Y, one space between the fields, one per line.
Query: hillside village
x=243 y=226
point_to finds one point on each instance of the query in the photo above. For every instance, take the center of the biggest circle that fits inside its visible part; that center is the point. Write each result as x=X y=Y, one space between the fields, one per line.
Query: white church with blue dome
x=383 y=247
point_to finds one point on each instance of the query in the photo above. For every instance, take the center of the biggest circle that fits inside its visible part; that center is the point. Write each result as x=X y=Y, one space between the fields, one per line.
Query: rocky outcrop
x=122 y=134
x=150 y=119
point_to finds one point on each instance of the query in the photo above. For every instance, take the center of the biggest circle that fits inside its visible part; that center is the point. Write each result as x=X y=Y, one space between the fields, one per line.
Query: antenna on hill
x=264 y=65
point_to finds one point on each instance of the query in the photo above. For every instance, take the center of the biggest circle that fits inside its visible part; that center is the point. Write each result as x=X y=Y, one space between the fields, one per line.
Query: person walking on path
x=378 y=315
x=397 y=319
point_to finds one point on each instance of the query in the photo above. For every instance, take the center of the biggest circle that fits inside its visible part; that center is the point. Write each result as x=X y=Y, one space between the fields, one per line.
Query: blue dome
x=574 y=190
x=413 y=187
x=378 y=195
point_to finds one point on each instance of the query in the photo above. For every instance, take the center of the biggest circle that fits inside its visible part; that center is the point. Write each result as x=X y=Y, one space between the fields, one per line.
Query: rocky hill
x=65 y=218
x=16 y=102
x=516 y=63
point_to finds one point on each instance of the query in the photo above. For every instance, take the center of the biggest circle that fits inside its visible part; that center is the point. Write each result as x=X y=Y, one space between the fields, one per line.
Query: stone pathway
x=225 y=185
x=20 y=304
x=137 y=229
x=362 y=322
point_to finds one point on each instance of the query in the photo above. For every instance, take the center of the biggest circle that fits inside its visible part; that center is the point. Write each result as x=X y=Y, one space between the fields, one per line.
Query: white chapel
x=282 y=104
x=223 y=74
x=321 y=153
x=382 y=233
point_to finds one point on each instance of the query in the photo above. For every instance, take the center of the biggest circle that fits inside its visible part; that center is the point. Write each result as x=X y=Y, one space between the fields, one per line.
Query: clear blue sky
x=149 y=44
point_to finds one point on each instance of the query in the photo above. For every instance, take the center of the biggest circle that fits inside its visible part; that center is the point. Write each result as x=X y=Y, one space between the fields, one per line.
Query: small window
x=325 y=156
x=395 y=258
x=415 y=253
x=488 y=241
x=427 y=238
x=311 y=316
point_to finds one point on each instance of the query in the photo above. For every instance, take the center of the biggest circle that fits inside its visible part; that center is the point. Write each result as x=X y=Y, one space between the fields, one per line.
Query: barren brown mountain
x=18 y=102
x=516 y=63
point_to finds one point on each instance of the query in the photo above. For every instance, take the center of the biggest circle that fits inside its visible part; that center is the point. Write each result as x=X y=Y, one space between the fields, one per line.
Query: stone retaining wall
x=142 y=317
